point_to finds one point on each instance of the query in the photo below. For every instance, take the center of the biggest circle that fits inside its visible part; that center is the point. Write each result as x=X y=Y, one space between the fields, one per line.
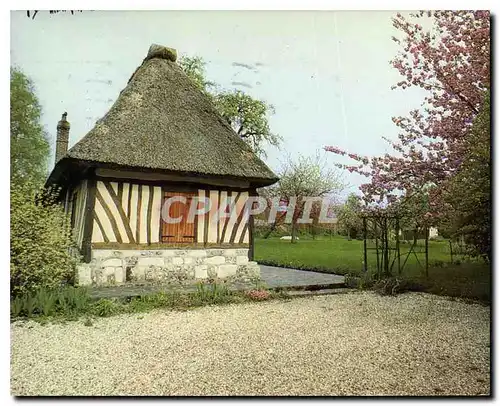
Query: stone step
x=320 y=292
x=306 y=287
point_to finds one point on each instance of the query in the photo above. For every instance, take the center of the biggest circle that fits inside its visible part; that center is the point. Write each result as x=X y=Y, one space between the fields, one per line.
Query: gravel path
x=344 y=344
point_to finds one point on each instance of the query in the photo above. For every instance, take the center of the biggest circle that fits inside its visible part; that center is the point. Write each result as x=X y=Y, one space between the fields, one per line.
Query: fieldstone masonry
x=116 y=267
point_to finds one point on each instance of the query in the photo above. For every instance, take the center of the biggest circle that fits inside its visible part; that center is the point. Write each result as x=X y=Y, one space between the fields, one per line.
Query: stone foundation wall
x=116 y=267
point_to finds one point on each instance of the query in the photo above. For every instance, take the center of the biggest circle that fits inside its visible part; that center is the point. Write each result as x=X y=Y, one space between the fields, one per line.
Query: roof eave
x=68 y=170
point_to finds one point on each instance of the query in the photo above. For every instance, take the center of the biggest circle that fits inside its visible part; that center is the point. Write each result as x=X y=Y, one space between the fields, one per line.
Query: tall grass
x=71 y=303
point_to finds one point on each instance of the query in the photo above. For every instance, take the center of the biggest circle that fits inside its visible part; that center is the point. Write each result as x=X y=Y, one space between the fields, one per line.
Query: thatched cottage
x=162 y=138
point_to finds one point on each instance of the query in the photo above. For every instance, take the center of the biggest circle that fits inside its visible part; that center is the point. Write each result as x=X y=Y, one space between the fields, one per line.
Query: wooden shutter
x=182 y=232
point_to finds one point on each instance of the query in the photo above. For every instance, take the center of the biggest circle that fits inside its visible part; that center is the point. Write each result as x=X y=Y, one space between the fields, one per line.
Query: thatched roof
x=162 y=121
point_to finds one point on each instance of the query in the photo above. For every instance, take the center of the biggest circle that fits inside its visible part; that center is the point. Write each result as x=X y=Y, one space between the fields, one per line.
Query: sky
x=327 y=73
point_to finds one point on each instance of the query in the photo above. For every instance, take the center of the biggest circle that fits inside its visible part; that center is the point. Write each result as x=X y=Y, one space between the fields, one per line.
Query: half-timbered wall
x=75 y=206
x=129 y=213
x=232 y=230
x=126 y=213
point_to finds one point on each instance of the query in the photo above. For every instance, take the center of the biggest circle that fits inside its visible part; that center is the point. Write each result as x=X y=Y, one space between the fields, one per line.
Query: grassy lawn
x=337 y=254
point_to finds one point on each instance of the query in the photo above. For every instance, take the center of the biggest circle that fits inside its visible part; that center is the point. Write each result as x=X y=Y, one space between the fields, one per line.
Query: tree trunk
x=294 y=232
x=313 y=231
x=273 y=227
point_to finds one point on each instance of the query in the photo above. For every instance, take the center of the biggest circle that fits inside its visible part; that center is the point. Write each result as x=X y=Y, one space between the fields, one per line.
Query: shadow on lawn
x=464 y=278
x=468 y=280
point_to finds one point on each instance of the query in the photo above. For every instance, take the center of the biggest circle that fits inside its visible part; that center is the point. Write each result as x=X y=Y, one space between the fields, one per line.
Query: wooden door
x=183 y=231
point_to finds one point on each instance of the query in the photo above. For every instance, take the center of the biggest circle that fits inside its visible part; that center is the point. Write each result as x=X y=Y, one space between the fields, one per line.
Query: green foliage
x=338 y=255
x=349 y=217
x=40 y=241
x=29 y=304
x=464 y=278
x=40 y=238
x=73 y=299
x=194 y=67
x=413 y=210
x=46 y=301
x=29 y=148
x=71 y=303
x=104 y=308
x=248 y=117
x=152 y=301
x=213 y=293
x=469 y=192
x=16 y=306
x=306 y=176
x=68 y=301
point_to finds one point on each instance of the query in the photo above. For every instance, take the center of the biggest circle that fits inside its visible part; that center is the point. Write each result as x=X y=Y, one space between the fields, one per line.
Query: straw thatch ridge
x=162 y=121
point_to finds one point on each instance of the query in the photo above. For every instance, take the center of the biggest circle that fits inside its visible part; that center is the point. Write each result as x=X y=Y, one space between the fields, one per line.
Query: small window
x=183 y=231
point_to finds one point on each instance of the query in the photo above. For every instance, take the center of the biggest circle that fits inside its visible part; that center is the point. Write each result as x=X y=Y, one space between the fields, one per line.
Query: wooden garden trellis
x=379 y=226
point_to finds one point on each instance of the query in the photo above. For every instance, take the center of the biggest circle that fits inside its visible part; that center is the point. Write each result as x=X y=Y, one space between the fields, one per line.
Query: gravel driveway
x=344 y=344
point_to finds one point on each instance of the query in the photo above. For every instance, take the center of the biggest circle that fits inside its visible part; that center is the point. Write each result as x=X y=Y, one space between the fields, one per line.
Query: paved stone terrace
x=272 y=277
x=275 y=277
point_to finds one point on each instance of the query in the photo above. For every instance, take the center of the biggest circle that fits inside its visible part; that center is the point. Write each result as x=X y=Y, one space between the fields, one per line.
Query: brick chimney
x=62 y=137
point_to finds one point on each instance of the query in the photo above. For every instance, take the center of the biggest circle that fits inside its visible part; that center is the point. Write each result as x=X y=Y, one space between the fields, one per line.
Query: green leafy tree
x=194 y=67
x=29 y=148
x=469 y=191
x=349 y=216
x=248 y=117
x=40 y=233
x=414 y=212
x=301 y=178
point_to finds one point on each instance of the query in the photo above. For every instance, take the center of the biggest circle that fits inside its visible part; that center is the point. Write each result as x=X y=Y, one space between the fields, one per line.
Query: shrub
x=46 y=302
x=211 y=293
x=73 y=300
x=148 y=302
x=68 y=301
x=395 y=286
x=16 y=306
x=104 y=308
x=258 y=295
x=40 y=241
